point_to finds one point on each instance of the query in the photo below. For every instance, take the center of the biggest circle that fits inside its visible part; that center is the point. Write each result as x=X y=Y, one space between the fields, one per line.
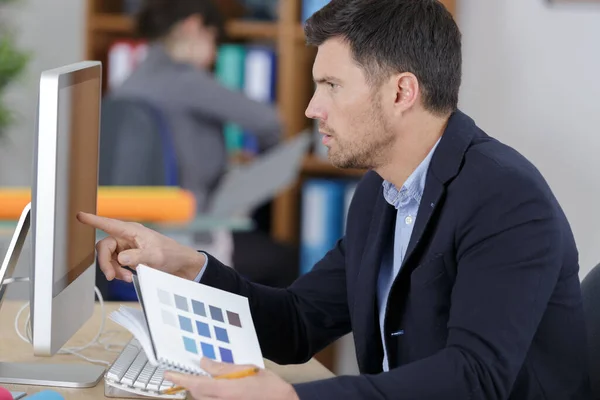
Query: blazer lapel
x=445 y=165
x=366 y=315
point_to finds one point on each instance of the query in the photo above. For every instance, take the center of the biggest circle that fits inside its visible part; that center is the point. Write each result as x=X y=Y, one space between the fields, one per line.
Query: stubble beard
x=368 y=149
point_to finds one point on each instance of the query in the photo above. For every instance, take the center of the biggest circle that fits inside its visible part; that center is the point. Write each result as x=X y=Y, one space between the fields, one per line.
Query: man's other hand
x=263 y=386
x=130 y=244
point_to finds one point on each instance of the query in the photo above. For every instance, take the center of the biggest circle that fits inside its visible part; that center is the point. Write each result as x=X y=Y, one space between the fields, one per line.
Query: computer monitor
x=62 y=273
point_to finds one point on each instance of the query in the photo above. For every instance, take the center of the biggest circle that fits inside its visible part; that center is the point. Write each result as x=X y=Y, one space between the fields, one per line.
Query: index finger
x=113 y=227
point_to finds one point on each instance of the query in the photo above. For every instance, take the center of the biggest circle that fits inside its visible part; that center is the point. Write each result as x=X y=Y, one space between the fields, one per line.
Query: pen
x=232 y=375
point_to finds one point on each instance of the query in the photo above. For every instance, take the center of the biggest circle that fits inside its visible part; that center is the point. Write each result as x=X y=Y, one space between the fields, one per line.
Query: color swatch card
x=185 y=321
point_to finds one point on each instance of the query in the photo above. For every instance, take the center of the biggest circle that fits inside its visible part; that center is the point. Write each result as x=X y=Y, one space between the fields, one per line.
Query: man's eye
x=332 y=85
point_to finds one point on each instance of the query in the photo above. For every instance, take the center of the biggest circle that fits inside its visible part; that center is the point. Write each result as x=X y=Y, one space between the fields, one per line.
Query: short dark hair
x=156 y=18
x=392 y=36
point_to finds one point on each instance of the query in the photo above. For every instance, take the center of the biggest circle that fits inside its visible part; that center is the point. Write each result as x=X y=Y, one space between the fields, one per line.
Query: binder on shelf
x=322 y=219
x=260 y=83
x=324 y=213
x=230 y=73
x=309 y=7
x=260 y=70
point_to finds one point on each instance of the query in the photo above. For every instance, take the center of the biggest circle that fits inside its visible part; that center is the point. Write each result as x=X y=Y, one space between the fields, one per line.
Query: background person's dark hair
x=157 y=17
x=394 y=36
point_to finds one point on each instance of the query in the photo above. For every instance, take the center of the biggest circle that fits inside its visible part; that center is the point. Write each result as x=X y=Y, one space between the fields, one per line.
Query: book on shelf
x=309 y=7
x=250 y=69
x=324 y=210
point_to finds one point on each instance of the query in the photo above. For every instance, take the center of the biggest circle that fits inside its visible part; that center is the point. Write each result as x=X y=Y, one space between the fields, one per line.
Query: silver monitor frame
x=55 y=322
x=56 y=317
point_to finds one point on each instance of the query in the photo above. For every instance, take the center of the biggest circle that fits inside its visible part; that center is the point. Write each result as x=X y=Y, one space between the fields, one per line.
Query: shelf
x=250 y=29
x=314 y=166
x=236 y=29
x=113 y=23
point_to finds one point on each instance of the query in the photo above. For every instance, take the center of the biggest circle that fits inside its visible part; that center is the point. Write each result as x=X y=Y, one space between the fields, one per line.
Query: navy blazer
x=488 y=298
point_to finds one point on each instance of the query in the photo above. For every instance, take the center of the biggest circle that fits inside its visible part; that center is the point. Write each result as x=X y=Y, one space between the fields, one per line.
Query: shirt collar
x=413 y=187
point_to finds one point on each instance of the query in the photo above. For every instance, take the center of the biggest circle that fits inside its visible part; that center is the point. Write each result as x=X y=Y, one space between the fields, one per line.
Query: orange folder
x=142 y=204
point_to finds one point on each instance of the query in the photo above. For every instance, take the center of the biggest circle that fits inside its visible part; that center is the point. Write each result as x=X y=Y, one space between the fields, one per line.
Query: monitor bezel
x=55 y=317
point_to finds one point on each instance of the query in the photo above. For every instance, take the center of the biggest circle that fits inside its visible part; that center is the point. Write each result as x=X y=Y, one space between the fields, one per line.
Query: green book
x=230 y=72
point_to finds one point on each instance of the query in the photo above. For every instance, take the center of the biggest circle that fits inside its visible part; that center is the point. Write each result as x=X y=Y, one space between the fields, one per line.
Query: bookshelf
x=106 y=22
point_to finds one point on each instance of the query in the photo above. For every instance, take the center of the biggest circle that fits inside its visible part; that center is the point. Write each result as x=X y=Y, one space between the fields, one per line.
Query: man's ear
x=407 y=89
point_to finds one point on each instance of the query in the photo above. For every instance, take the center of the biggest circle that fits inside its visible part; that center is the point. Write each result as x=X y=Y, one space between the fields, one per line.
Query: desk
x=13 y=349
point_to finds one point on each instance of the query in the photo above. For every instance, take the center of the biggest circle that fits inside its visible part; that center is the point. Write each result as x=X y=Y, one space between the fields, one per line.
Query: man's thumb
x=131 y=258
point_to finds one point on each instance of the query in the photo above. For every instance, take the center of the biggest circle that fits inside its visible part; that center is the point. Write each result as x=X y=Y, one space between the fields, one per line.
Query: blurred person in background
x=176 y=78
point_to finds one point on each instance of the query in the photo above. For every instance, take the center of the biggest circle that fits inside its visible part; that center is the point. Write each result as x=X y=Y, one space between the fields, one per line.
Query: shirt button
x=408 y=220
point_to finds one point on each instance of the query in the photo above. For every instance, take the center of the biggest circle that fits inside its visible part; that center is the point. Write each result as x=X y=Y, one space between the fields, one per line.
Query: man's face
x=351 y=117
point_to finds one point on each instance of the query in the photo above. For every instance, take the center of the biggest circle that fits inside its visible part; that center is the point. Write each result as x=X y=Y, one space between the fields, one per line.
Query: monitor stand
x=39 y=374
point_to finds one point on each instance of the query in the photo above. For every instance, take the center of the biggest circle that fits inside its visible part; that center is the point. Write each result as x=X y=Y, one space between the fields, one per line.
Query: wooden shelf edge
x=300 y=33
x=114 y=23
x=313 y=165
x=236 y=29
x=251 y=29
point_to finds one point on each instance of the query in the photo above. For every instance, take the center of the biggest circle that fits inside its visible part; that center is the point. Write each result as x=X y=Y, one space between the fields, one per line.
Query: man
x=458 y=272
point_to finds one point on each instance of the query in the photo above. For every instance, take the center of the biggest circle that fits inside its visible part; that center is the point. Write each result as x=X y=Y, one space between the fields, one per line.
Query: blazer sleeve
x=295 y=323
x=509 y=255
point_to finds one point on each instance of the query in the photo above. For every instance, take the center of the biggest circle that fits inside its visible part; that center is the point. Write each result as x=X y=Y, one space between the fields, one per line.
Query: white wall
x=53 y=32
x=532 y=80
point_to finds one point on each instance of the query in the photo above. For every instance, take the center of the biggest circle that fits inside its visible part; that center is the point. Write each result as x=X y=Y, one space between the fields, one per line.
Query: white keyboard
x=132 y=373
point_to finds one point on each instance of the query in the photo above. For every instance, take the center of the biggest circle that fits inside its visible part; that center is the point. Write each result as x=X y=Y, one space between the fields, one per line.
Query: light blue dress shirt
x=406 y=201
x=199 y=276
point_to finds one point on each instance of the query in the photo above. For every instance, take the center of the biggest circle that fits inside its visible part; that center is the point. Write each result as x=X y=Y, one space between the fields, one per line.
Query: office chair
x=136 y=149
x=136 y=146
x=590 y=288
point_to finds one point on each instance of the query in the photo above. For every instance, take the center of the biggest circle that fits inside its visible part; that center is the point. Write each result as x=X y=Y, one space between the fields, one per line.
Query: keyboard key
x=144 y=377
x=122 y=363
x=135 y=369
x=156 y=379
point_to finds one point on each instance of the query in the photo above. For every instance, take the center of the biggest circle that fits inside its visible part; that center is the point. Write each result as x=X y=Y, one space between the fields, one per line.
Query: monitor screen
x=78 y=120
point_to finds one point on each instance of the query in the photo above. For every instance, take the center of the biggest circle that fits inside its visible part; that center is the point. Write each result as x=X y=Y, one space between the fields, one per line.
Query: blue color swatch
x=221 y=334
x=208 y=350
x=185 y=324
x=216 y=314
x=203 y=329
x=198 y=308
x=190 y=345
x=226 y=355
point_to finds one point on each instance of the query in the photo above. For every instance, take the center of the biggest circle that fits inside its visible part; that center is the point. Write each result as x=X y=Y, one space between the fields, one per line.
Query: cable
x=97 y=340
